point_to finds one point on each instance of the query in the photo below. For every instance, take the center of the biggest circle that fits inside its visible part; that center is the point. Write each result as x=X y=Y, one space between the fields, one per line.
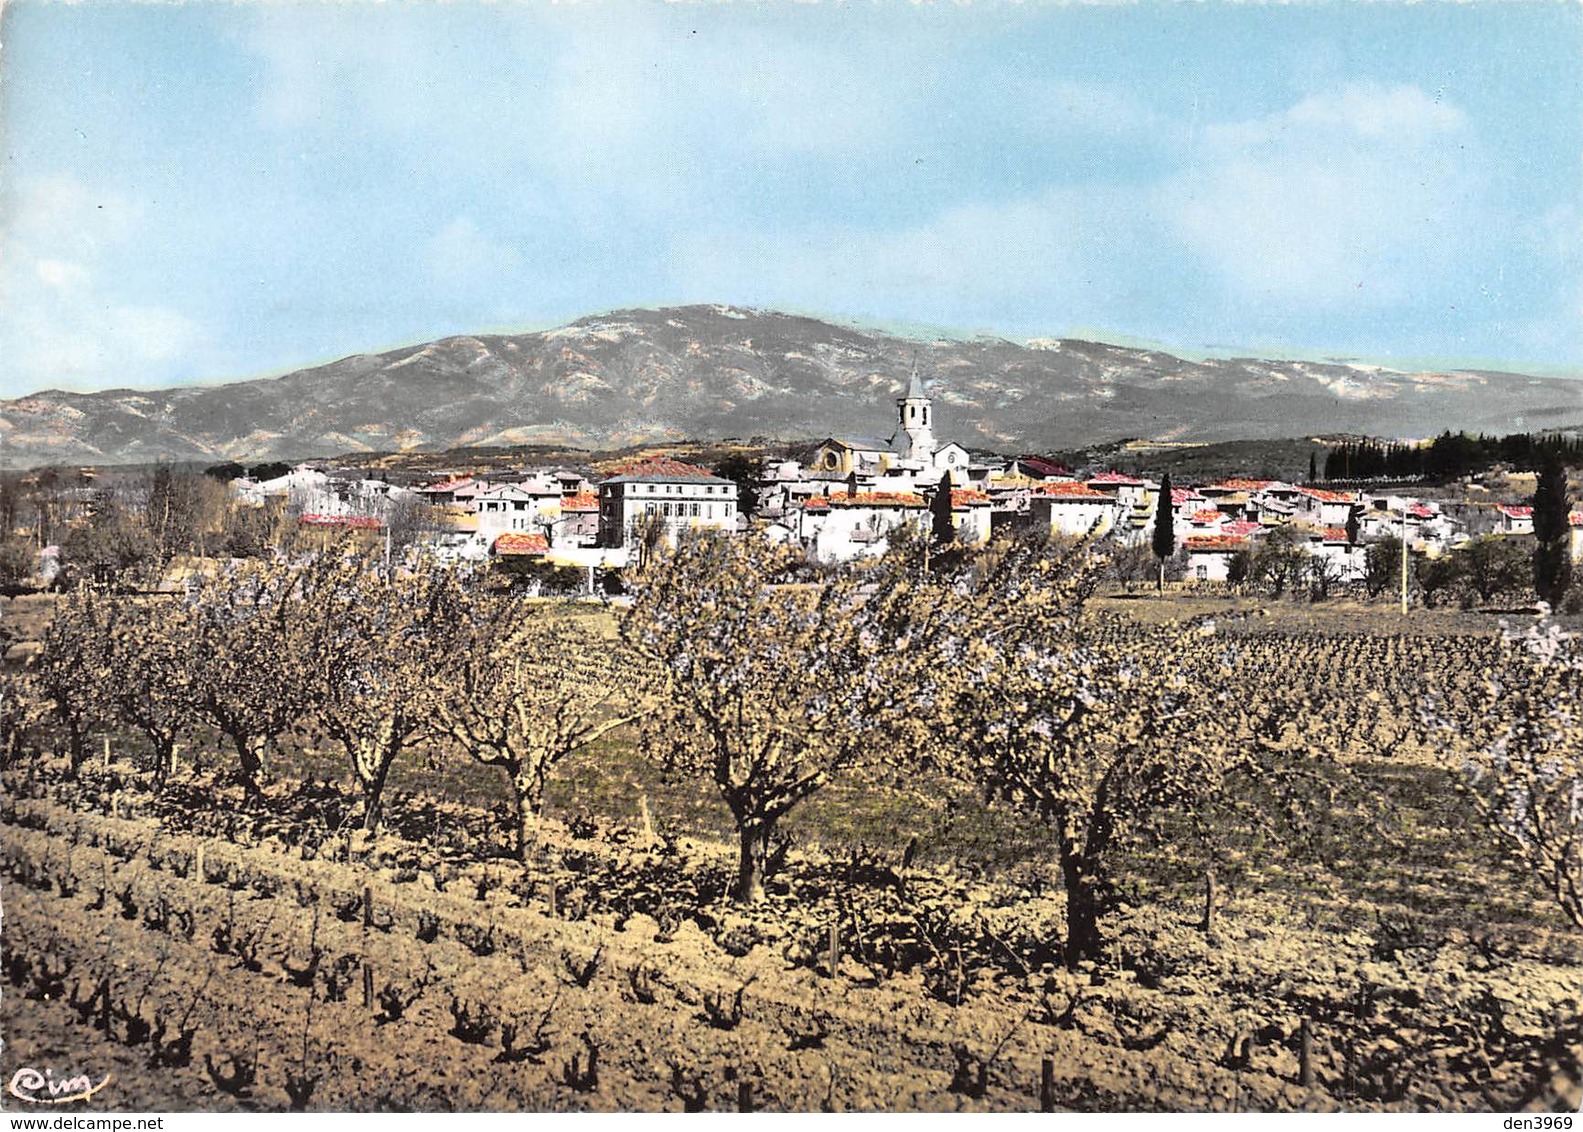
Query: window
x=1202 y=572
x=693 y=510
x=667 y=509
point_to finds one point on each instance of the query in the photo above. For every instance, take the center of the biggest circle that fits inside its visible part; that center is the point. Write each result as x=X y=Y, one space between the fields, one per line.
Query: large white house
x=679 y=496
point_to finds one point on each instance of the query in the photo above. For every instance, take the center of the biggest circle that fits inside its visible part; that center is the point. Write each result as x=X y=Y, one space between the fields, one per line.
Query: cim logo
x=28 y=1084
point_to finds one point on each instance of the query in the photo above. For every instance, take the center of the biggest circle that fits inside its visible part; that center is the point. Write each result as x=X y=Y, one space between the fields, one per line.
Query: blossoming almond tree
x=1092 y=732
x=528 y=686
x=768 y=689
x=150 y=648
x=1518 y=740
x=379 y=640
x=250 y=632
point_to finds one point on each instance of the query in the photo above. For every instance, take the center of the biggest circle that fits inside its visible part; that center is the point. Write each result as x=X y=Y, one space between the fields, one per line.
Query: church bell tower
x=917 y=420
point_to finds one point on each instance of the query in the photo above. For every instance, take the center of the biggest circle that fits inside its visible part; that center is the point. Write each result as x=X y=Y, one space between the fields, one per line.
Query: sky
x=211 y=191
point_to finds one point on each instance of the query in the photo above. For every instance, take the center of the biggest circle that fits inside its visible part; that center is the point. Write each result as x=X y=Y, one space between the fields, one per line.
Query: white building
x=1071 y=509
x=845 y=526
x=679 y=496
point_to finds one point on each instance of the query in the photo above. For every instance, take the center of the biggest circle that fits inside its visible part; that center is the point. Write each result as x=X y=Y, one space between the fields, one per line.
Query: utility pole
x=1404 y=559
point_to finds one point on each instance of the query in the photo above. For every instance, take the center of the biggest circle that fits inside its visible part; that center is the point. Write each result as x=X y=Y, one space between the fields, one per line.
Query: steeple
x=916 y=419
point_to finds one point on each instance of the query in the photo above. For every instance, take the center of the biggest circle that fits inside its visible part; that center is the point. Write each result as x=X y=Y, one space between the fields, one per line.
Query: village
x=847 y=499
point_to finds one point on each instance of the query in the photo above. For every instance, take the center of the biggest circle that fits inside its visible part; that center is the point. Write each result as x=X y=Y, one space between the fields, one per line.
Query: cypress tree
x=1313 y=466
x=940 y=510
x=1552 y=560
x=1164 y=528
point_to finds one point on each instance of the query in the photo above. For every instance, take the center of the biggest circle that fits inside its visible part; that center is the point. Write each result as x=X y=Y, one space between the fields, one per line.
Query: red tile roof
x=1239 y=529
x=356 y=522
x=1576 y=518
x=876 y=499
x=1207 y=515
x=1334 y=534
x=662 y=467
x=1515 y=512
x=585 y=501
x=1180 y=495
x=1214 y=544
x=1419 y=511
x=1239 y=485
x=1040 y=466
x=1324 y=496
x=968 y=497
x=1117 y=478
x=518 y=542
x=1071 y=492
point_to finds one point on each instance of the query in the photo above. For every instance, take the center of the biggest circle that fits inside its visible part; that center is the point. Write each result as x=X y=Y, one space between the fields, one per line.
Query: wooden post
x=550 y=899
x=107 y=752
x=835 y=947
x=368 y=906
x=197 y=866
x=1047 y=1085
x=648 y=822
x=115 y=800
x=1305 y=1054
x=1208 y=924
x=368 y=985
x=744 y=1096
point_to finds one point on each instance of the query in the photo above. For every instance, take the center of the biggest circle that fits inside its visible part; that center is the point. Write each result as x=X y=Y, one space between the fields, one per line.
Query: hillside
x=709 y=372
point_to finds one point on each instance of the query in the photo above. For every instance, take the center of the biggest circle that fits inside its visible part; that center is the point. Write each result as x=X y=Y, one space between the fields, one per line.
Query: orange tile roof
x=1238 y=529
x=1334 y=534
x=1115 y=478
x=583 y=501
x=1207 y=515
x=517 y=542
x=968 y=497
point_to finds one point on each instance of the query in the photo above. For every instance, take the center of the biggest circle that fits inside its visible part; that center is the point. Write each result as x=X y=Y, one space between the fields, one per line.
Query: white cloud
x=61 y=323
x=1040 y=260
x=1356 y=198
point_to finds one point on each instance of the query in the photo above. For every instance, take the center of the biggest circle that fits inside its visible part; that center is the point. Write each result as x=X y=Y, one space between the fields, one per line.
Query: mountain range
x=713 y=372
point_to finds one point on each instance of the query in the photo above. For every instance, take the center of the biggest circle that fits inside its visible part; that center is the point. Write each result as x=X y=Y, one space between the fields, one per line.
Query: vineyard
x=1265 y=879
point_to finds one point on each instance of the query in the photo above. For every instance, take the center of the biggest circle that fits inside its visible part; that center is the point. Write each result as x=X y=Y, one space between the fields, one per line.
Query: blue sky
x=208 y=191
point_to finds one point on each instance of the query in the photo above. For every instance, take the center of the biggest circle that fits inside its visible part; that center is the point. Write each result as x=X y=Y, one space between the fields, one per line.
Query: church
x=909 y=459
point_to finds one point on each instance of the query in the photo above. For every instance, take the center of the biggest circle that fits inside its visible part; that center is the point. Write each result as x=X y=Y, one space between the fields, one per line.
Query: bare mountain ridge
x=708 y=372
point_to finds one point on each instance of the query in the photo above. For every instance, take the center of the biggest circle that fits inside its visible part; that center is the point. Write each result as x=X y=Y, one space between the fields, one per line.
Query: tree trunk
x=164 y=762
x=76 y=746
x=754 y=849
x=1082 y=912
x=527 y=794
x=250 y=755
x=374 y=795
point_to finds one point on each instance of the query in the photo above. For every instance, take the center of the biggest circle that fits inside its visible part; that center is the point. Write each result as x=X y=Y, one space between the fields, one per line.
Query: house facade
x=673 y=494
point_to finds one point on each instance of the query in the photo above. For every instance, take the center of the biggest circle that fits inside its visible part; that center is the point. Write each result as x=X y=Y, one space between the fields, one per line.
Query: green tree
x=1278 y=562
x=1164 y=538
x=1552 y=556
x=1492 y=565
x=741 y=469
x=113 y=548
x=18 y=562
x=1382 y=565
